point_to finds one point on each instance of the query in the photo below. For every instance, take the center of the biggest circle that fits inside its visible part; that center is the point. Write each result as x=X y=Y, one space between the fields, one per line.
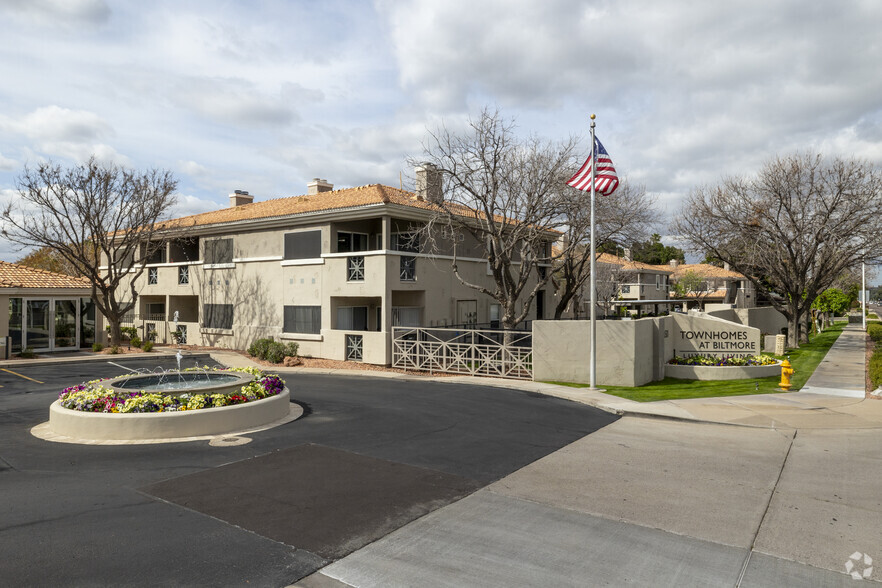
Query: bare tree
x=624 y=217
x=91 y=212
x=505 y=193
x=792 y=230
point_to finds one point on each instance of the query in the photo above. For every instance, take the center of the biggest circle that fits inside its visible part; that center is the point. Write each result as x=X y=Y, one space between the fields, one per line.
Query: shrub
x=874 y=330
x=291 y=349
x=114 y=350
x=136 y=341
x=148 y=346
x=874 y=367
x=258 y=348
x=28 y=353
x=97 y=347
x=269 y=350
x=275 y=352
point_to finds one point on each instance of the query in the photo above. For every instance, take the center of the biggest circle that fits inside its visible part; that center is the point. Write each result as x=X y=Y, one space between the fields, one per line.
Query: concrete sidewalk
x=787 y=496
x=842 y=371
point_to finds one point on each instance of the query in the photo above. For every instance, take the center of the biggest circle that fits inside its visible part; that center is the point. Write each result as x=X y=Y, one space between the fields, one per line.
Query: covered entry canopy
x=44 y=311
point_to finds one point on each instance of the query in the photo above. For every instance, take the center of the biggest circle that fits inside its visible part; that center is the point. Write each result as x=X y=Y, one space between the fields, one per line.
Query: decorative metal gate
x=506 y=354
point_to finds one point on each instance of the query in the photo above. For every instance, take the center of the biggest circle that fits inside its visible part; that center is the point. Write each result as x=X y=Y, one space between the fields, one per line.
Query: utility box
x=780 y=344
x=5 y=346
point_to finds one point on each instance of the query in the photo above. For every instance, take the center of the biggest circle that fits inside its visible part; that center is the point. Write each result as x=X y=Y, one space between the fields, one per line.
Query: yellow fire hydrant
x=786 y=372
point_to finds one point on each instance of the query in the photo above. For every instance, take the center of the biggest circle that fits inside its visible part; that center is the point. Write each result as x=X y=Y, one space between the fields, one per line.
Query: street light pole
x=864 y=295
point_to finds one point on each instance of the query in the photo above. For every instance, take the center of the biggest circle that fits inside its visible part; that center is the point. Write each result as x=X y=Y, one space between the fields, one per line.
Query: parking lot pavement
x=90 y=515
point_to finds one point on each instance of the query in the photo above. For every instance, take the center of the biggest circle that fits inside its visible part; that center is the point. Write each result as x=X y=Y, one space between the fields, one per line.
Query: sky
x=264 y=96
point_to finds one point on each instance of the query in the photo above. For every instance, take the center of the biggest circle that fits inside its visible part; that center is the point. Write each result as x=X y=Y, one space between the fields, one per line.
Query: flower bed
x=703 y=367
x=95 y=397
x=727 y=361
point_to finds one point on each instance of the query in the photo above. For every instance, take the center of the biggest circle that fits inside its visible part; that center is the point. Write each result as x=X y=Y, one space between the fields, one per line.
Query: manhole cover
x=229 y=441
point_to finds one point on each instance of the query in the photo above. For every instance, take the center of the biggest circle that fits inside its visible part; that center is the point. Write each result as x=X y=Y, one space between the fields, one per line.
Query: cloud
x=53 y=123
x=233 y=101
x=188 y=204
x=7 y=164
x=59 y=13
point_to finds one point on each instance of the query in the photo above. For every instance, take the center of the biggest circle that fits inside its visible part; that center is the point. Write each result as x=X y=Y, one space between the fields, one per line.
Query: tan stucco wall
x=702 y=334
x=260 y=284
x=766 y=319
x=562 y=351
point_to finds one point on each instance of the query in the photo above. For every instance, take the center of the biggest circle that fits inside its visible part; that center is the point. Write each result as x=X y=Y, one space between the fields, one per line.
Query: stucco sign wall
x=706 y=335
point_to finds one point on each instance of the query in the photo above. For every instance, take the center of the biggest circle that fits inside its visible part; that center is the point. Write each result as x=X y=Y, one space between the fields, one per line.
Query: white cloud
x=188 y=204
x=59 y=13
x=7 y=164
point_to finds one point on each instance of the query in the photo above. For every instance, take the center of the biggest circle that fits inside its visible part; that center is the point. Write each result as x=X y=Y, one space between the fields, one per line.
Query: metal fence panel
x=475 y=352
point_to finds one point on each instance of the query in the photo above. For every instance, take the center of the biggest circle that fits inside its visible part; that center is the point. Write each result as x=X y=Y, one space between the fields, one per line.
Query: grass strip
x=804 y=360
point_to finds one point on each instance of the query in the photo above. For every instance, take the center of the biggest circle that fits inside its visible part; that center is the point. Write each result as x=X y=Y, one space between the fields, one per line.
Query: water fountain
x=91 y=427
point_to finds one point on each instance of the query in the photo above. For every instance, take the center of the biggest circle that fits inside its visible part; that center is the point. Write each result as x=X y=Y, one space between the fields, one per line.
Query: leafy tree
x=91 y=212
x=792 y=230
x=832 y=300
x=655 y=252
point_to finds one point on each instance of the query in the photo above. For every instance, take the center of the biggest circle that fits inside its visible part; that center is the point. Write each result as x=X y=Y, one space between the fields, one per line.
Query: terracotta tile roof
x=13 y=275
x=704 y=270
x=632 y=265
x=711 y=294
x=324 y=201
x=332 y=200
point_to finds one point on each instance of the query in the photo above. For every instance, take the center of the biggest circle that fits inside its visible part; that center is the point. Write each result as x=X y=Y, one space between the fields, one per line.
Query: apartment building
x=333 y=270
x=719 y=285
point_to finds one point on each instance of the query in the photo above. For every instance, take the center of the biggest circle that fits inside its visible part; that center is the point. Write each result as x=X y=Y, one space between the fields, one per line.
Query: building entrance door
x=50 y=324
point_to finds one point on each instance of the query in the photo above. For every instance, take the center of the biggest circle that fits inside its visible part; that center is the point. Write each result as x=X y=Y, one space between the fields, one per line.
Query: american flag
x=606 y=181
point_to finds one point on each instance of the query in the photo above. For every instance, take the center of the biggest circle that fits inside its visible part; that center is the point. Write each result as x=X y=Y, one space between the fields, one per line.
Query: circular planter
x=100 y=426
x=719 y=372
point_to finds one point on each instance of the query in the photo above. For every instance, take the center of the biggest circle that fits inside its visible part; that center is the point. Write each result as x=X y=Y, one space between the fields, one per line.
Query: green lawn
x=804 y=361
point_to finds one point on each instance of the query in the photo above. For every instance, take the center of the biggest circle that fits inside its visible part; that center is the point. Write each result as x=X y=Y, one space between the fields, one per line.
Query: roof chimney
x=318 y=185
x=240 y=197
x=428 y=183
x=627 y=254
x=726 y=265
x=674 y=262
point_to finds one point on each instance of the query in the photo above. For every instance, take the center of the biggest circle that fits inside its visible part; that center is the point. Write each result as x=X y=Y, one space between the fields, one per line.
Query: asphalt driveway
x=368 y=456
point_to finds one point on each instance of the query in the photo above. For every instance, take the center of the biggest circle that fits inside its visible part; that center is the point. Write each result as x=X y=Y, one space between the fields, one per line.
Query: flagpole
x=593 y=329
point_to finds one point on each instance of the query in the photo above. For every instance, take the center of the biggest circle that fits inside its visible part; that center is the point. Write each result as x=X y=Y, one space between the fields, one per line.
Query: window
x=217 y=316
x=351 y=242
x=540 y=305
x=15 y=323
x=354 y=346
x=408 y=268
x=183 y=275
x=158 y=255
x=303 y=245
x=495 y=313
x=657 y=282
x=542 y=271
x=352 y=318
x=406 y=242
x=153 y=275
x=302 y=319
x=406 y=316
x=355 y=268
x=218 y=251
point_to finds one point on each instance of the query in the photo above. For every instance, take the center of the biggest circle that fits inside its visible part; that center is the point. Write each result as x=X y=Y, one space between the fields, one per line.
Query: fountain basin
x=98 y=426
x=178 y=383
